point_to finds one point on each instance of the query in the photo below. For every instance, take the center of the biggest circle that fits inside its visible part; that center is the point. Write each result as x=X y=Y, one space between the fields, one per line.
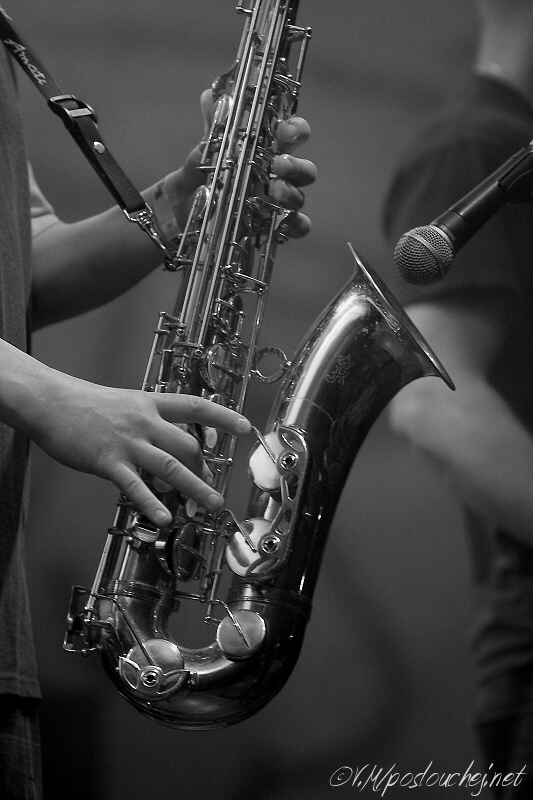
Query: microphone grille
x=423 y=255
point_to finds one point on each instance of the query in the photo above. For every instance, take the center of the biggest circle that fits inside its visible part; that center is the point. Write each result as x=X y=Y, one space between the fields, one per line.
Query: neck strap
x=81 y=122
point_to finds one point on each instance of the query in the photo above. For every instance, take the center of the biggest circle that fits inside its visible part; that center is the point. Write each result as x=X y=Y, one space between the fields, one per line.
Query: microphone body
x=424 y=254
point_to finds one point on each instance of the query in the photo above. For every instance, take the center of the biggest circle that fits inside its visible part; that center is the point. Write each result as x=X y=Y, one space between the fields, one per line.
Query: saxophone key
x=166 y=368
x=141 y=529
x=253 y=550
x=199 y=203
x=210 y=437
x=222 y=368
x=263 y=463
x=154 y=669
x=186 y=558
x=241 y=634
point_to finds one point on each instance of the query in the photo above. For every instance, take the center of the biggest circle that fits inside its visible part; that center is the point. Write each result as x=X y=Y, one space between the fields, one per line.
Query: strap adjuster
x=59 y=107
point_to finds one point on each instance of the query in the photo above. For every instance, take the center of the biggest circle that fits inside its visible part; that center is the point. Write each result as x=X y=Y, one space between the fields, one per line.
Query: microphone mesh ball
x=423 y=255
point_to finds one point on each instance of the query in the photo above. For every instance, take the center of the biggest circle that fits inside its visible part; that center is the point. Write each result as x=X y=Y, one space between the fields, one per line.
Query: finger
x=188 y=178
x=292 y=131
x=181 y=445
x=207 y=104
x=185 y=180
x=206 y=475
x=297 y=225
x=298 y=171
x=286 y=195
x=173 y=472
x=128 y=481
x=191 y=409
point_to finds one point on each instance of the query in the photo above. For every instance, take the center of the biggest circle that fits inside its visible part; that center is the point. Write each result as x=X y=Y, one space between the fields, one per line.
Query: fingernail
x=292 y=131
x=243 y=426
x=161 y=486
x=162 y=517
x=215 y=501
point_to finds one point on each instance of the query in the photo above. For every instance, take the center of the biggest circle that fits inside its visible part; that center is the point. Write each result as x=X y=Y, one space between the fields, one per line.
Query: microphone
x=424 y=255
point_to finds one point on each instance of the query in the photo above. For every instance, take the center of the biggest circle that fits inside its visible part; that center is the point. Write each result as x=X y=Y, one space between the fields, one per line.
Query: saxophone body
x=250 y=581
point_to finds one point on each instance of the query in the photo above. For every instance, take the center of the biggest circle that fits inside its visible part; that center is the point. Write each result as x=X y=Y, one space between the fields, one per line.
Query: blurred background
x=384 y=676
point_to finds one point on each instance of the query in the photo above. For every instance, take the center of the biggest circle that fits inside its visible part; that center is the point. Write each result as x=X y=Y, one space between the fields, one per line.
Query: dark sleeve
x=499 y=255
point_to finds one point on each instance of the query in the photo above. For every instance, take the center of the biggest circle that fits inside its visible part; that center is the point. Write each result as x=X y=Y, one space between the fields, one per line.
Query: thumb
x=189 y=177
x=207 y=107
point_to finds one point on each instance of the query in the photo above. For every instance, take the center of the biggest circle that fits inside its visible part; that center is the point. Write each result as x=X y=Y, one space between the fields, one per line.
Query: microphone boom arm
x=512 y=182
x=424 y=254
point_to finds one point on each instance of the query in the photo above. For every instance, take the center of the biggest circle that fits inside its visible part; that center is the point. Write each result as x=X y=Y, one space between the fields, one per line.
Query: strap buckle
x=59 y=107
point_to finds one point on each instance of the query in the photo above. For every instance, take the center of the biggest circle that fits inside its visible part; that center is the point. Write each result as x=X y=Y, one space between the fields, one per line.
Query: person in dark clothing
x=479 y=320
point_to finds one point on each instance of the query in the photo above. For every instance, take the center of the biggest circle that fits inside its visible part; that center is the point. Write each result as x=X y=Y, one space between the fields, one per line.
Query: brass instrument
x=359 y=354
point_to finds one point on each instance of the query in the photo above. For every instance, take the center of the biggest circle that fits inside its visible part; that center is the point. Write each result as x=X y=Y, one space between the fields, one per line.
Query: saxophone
x=250 y=580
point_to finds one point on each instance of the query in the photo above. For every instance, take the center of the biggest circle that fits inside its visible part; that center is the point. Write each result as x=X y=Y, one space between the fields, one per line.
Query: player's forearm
x=26 y=388
x=481 y=449
x=82 y=265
